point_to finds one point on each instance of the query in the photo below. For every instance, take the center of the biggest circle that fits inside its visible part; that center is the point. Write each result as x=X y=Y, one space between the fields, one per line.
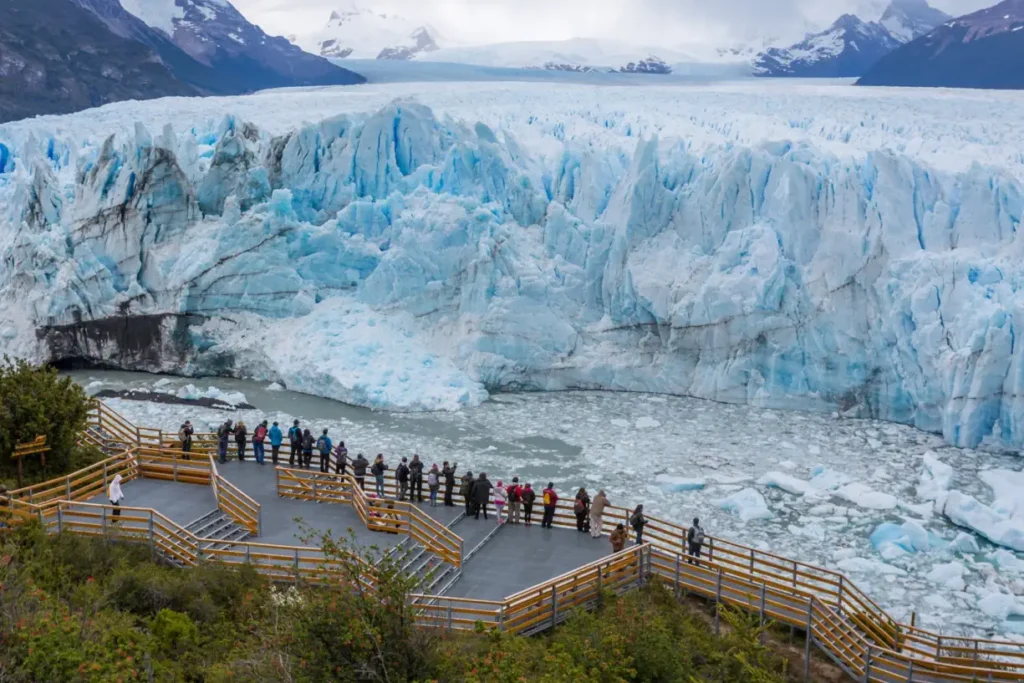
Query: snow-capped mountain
x=577 y=54
x=910 y=19
x=979 y=50
x=216 y=35
x=850 y=46
x=357 y=32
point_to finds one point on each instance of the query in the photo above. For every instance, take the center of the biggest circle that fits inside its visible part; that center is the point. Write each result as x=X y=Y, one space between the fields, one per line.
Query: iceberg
x=863 y=496
x=998 y=527
x=675 y=484
x=893 y=540
x=786 y=482
x=746 y=504
x=936 y=477
x=417 y=247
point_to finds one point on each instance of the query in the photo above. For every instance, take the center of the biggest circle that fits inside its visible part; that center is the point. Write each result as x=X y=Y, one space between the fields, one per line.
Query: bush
x=37 y=401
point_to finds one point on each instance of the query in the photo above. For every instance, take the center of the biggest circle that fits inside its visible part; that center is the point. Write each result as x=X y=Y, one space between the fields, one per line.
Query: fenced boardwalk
x=512 y=578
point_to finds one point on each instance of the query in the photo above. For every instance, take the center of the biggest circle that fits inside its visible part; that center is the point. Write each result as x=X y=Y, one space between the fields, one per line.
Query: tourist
x=240 y=435
x=466 y=491
x=550 y=503
x=618 y=538
x=638 y=522
x=377 y=470
x=185 y=437
x=307 y=448
x=481 y=495
x=359 y=466
x=340 y=458
x=529 y=496
x=276 y=438
x=258 y=435
x=515 y=500
x=597 y=513
x=402 y=475
x=115 y=495
x=223 y=435
x=295 y=442
x=581 y=506
x=449 y=482
x=433 y=484
x=500 y=497
x=324 y=446
x=695 y=539
x=416 y=479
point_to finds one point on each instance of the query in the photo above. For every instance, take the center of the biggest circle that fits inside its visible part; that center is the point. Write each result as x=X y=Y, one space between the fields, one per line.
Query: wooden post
x=103 y=515
x=761 y=614
x=60 y=521
x=938 y=647
x=751 y=561
x=675 y=586
x=296 y=566
x=711 y=549
x=152 y=542
x=104 y=475
x=718 y=597
x=910 y=671
x=554 y=606
x=807 y=643
x=67 y=487
x=450 y=615
x=248 y=559
x=501 y=617
x=867 y=665
x=840 y=606
x=794 y=575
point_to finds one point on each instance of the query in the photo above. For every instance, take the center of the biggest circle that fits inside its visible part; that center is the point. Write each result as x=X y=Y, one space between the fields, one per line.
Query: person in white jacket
x=116 y=495
x=499 y=501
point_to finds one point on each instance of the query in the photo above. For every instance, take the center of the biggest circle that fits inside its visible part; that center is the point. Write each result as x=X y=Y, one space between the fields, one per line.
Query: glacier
x=419 y=246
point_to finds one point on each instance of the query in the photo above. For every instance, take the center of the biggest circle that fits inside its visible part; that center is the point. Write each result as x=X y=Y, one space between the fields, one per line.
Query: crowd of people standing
x=513 y=503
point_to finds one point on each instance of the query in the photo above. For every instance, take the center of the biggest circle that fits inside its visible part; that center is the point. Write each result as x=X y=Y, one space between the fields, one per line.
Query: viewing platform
x=189 y=509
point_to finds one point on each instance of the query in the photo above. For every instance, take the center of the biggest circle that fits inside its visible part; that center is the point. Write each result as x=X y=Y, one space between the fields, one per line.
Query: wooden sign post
x=36 y=447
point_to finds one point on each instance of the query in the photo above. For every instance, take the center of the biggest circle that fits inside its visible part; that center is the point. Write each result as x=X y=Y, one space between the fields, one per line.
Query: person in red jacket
x=550 y=501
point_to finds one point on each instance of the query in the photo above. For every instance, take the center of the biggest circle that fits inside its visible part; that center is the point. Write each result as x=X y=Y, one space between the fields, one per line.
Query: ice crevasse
x=403 y=259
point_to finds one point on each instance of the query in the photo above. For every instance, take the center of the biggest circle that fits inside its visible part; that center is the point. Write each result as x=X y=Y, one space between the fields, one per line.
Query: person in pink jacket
x=500 y=496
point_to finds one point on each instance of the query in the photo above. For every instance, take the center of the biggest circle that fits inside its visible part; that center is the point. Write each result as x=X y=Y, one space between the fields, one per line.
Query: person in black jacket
x=695 y=539
x=341 y=455
x=240 y=438
x=359 y=466
x=295 y=441
x=638 y=521
x=307 y=448
x=416 y=479
x=377 y=470
x=449 y=482
x=481 y=495
x=581 y=507
x=402 y=475
x=466 y=491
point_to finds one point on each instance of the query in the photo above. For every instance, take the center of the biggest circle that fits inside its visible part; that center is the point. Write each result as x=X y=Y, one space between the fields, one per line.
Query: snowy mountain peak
x=357 y=32
x=910 y=19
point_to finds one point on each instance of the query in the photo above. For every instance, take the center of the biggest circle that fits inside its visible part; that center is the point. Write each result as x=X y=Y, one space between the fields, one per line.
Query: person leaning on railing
x=597 y=513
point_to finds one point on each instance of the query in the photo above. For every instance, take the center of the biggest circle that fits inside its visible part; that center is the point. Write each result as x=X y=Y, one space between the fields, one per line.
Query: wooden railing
x=234 y=502
x=172 y=465
x=80 y=485
x=377 y=514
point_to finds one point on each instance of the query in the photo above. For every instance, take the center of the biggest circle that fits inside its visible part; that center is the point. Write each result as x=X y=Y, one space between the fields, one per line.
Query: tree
x=37 y=401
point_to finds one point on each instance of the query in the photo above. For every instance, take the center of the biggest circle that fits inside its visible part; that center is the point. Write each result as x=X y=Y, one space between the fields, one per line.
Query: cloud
x=659 y=22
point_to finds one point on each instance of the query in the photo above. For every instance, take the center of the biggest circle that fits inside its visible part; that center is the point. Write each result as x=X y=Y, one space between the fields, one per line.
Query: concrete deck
x=514 y=558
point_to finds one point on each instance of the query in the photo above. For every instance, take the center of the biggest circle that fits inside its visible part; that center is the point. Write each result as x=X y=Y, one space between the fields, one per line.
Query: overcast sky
x=661 y=22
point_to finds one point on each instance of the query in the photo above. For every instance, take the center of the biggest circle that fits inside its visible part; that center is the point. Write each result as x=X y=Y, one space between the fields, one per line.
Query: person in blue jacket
x=324 y=445
x=276 y=438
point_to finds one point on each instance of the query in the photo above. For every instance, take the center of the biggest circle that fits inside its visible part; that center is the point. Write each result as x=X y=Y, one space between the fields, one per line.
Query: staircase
x=215 y=531
x=428 y=570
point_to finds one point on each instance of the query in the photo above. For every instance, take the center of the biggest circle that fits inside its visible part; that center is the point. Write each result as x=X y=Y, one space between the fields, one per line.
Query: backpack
x=294 y=435
x=261 y=432
x=637 y=520
x=321 y=444
x=307 y=443
x=698 y=535
x=580 y=506
x=432 y=479
x=547 y=497
x=513 y=494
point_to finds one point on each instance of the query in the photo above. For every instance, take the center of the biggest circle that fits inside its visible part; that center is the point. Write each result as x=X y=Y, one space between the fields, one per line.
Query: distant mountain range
x=357 y=32
x=59 y=56
x=980 y=50
x=850 y=46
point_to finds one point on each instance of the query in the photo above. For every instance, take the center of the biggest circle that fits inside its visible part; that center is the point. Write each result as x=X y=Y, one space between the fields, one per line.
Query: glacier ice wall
x=411 y=260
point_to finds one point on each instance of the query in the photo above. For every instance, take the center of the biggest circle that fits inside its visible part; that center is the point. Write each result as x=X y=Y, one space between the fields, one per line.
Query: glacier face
x=418 y=246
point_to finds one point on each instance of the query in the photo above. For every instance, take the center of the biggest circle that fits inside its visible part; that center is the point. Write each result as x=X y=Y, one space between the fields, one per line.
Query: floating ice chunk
x=786 y=482
x=673 y=484
x=893 y=540
x=1000 y=605
x=190 y=392
x=865 y=565
x=1007 y=561
x=824 y=479
x=861 y=495
x=163 y=382
x=966 y=543
x=621 y=423
x=787 y=465
x=1007 y=490
x=936 y=477
x=274 y=386
x=949 y=575
x=966 y=511
x=647 y=423
x=747 y=504
x=845 y=554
